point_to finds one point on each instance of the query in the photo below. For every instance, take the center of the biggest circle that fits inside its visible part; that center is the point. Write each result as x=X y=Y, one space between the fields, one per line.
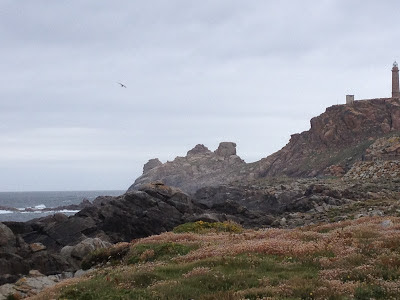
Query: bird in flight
x=122 y=85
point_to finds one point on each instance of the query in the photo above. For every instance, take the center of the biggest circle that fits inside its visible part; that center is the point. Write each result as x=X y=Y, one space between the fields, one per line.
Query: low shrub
x=367 y=292
x=151 y=252
x=206 y=227
x=103 y=255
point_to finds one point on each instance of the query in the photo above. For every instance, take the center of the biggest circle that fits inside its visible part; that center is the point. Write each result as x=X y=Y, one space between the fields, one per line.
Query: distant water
x=36 y=202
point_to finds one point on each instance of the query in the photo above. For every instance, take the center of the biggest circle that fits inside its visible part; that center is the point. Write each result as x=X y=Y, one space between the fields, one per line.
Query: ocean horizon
x=23 y=206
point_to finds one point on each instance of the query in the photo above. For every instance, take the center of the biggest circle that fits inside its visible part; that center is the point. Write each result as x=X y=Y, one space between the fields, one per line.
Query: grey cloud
x=196 y=71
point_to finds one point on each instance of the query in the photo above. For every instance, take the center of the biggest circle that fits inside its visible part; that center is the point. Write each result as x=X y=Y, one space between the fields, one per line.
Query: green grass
x=103 y=255
x=352 y=260
x=152 y=252
x=206 y=227
x=222 y=276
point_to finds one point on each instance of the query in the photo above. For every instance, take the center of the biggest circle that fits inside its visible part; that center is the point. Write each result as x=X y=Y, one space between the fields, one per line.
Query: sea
x=24 y=206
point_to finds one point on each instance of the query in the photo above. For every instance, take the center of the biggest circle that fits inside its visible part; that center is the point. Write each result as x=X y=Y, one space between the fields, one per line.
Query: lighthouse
x=395 y=81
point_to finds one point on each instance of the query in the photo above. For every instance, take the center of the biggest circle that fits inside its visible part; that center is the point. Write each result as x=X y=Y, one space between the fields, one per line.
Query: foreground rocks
x=34 y=282
x=57 y=244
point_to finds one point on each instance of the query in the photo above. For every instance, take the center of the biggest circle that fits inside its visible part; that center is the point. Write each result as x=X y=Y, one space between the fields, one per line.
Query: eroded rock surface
x=199 y=168
x=337 y=139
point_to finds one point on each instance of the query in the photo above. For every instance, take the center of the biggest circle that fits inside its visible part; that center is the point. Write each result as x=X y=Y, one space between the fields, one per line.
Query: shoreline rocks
x=34 y=282
x=58 y=243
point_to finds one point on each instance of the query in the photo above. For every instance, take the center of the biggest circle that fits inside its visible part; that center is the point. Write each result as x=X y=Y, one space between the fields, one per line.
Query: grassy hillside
x=357 y=259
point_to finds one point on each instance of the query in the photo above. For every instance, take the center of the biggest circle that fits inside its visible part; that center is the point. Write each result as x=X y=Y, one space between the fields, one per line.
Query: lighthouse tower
x=395 y=81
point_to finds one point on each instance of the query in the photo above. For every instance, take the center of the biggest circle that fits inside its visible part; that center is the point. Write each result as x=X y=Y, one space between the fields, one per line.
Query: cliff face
x=337 y=139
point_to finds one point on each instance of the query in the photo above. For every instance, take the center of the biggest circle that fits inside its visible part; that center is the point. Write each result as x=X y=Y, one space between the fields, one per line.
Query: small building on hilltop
x=395 y=87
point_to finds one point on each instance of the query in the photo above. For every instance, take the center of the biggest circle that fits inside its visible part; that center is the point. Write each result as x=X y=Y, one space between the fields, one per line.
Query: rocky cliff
x=199 y=168
x=338 y=138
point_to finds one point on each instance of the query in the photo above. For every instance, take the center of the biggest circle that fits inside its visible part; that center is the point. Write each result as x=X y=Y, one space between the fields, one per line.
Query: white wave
x=40 y=206
x=67 y=211
x=3 y=212
x=49 y=212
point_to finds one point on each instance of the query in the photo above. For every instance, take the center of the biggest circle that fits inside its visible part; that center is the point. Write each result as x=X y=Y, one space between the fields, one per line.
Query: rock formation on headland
x=338 y=138
x=200 y=167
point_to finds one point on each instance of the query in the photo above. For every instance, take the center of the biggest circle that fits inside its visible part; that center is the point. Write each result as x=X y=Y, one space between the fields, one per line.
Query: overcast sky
x=197 y=72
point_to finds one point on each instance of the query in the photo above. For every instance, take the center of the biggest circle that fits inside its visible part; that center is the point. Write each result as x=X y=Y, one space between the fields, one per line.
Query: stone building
x=349 y=99
x=395 y=87
x=395 y=81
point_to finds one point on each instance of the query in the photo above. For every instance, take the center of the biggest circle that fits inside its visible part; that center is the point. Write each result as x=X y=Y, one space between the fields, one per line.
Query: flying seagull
x=122 y=85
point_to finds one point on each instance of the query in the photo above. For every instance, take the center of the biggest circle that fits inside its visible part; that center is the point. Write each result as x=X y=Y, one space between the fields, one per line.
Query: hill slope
x=339 y=137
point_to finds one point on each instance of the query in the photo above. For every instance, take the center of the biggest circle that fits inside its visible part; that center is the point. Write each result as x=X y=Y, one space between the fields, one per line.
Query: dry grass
x=357 y=259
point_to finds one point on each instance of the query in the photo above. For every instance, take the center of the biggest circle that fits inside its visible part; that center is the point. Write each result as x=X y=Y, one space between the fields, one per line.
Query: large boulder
x=88 y=245
x=7 y=238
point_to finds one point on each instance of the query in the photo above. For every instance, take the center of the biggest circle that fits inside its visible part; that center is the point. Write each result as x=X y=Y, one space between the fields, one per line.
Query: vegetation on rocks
x=206 y=227
x=354 y=259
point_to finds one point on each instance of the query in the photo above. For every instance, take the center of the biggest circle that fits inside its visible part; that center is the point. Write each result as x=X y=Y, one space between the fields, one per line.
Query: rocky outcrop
x=226 y=149
x=31 y=285
x=258 y=205
x=34 y=282
x=151 y=164
x=76 y=253
x=198 y=149
x=58 y=243
x=339 y=136
x=376 y=170
x=18 y=257
x=387 y=148
x=199 y=168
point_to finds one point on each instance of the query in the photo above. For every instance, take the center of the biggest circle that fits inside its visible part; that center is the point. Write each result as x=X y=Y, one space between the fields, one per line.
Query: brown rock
x=36 y=247
x=339 y=131
x=335 y=170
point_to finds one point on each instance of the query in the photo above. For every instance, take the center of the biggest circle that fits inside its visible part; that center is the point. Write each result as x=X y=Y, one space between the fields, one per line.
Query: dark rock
x=100 y=200
x=48 y=263
x=7 y=238
x=12 y=266
x=208 y=217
